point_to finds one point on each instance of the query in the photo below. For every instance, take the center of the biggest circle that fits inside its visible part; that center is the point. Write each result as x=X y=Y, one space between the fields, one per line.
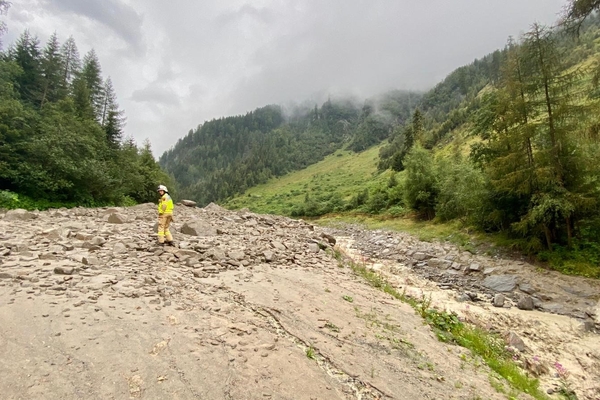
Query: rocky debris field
x=478 y=278
x=249 y=306
x=550 y=321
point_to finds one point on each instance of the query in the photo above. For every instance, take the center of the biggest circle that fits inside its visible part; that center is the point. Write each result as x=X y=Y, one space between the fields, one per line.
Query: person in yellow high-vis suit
x=165 y=215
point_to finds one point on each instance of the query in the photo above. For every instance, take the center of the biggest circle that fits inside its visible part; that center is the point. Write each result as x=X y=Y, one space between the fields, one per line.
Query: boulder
x=116 y=218
x=83 y=236
x=19 y=215
x=236 y=255
x=439 y=263
x=199 y=273
x=214 y=207
x=526 y=288
x=74 y=225
x=98 y=240
x=64 y=270
x=269 y=256
x=456 y=266
x=525 y=303
x=215 y=253
x=119 y=248
x=198 y=228
x=278 y=245
x=498 y=300
x=513 y=340
x=420 y=256
x=188 y=203
x=89 y=260
x=186 y=253
x=57 y=233
x=501 y=283
x=332 y=241
x=313 y=248
x=475 y=267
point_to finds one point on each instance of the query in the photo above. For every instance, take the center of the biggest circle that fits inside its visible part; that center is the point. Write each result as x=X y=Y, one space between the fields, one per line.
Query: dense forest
x=533 y=164
x=224 y=157
x=61 y=131
x=522 y=123
x=508 y=144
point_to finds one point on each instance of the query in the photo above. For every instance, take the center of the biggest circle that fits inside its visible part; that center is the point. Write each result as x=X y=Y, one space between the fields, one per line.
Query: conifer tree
x=52 y=66
x=577 y=11
x=26 y=53
x=111 y=118
x=81 y=98
x=533 y=150
x=91 y=73
x=71 y=60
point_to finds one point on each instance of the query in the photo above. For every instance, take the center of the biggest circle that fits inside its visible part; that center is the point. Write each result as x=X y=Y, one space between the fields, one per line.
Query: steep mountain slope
x=507 y=144
x=328 y=185
x=226 y=156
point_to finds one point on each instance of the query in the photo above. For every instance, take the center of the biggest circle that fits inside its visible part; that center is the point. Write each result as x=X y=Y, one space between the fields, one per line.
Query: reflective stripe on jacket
x=165 y=200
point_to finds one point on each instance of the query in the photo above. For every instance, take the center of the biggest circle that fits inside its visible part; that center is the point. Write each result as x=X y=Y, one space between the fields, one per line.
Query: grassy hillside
x=224 y=157
x=342 y=174
x=507 y=147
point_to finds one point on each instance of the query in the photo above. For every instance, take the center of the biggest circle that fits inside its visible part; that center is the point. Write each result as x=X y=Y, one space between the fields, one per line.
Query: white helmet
x=163 y=188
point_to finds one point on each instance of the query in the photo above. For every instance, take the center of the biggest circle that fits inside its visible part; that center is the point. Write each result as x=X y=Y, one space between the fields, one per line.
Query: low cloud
x=176 y=64
x=156 y=94
x=114 y=14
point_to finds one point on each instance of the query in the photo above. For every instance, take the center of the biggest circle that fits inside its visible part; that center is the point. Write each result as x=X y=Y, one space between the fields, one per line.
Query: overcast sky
x=177 y=63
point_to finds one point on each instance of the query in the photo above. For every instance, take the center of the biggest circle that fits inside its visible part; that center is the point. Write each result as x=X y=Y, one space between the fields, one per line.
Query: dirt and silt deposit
x=250 y=306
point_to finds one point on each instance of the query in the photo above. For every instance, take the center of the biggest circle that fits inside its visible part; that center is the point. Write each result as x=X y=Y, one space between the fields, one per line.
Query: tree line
x=533 y=167
x=225 y=156
x=510 y=145
x=61 y=131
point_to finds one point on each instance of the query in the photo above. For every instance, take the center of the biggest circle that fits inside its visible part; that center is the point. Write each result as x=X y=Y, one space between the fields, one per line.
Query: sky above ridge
x=175 y=64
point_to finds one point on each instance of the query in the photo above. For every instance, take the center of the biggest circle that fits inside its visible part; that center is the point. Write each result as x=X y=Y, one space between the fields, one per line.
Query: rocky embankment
x=548 y=320
x=479 y=278
x=250 y=306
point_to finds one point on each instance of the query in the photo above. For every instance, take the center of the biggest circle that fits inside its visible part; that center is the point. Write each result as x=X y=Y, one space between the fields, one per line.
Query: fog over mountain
x=175 y=64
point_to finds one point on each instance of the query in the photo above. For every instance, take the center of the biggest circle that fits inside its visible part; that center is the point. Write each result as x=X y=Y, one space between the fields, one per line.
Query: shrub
x=421 y=186
x=9 y=200
x=462 y=191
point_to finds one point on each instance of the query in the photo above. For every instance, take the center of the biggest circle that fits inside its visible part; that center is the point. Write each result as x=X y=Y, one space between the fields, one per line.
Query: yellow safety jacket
x=165 y=205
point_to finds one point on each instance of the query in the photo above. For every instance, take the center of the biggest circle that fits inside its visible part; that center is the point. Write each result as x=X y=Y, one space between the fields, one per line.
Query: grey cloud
x=207 y=59
x=119 y=17
x=156 y=94
x=263 y=15
x=366 y=49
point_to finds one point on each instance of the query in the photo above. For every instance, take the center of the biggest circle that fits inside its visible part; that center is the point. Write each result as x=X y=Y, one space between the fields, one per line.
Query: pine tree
x=71 y=61
x=411 y=134
x=561 y=194
x=92 y=75
x=533 y=153
x=52 y=66
x=577 y=11
x=511 y=128
x=26 y=53
x=81 y=98
x=111 y=118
